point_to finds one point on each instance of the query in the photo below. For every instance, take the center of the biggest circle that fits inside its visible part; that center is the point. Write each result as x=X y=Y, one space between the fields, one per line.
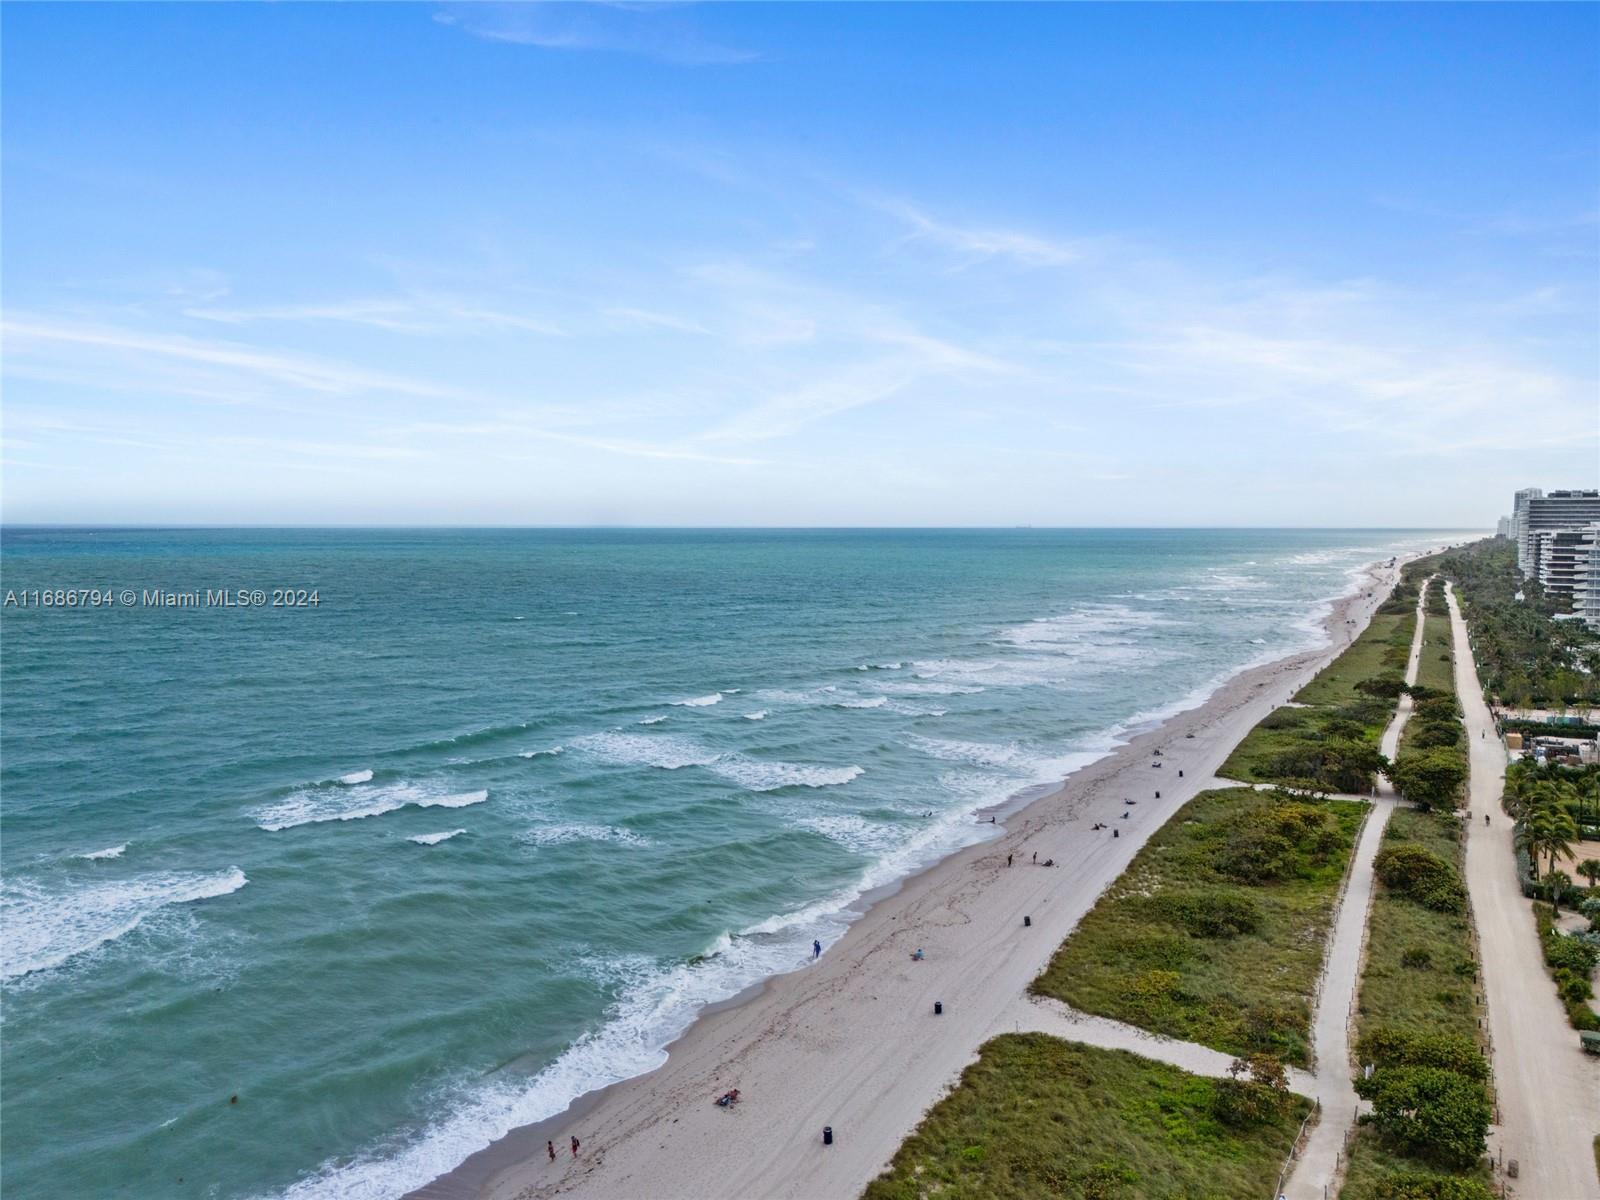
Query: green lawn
x=1167 y=948
x=1037 y=1117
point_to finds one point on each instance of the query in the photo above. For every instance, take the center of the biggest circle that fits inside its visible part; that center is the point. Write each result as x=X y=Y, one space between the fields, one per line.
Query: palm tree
x=1549 y=831
x=1589 y=868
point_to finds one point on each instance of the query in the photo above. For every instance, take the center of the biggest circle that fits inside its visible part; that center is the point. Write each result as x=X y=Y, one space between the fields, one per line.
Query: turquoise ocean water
x=484 y=829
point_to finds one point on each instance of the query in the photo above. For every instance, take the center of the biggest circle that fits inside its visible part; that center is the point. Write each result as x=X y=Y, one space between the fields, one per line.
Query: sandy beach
x=852 y=1041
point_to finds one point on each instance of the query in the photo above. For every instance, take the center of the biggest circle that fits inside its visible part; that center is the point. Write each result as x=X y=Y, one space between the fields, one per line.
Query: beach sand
x=852 y=1042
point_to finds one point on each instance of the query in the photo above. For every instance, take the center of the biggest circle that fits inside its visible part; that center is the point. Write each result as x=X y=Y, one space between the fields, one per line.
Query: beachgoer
x=917 y=957
x=816 y=950
x=1036 y=858
x=574 y=1145
x=993 y=820
x=551 y=1147
x=1008 y=860
x=1485 y=818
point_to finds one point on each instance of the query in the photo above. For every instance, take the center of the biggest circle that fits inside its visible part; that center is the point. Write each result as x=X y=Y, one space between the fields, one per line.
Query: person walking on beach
x=1036 y=858
x=1008 y=860
x=551 y=1147
x=574 y=1145
x=816 y=950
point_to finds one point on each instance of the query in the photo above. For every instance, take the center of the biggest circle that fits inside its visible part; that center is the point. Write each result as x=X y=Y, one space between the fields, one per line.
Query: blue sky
x=813 y=264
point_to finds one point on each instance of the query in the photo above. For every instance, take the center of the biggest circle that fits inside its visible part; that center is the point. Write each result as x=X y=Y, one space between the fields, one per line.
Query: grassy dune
x=1036 y=1117
x=1330 y=707
x=1182 y=945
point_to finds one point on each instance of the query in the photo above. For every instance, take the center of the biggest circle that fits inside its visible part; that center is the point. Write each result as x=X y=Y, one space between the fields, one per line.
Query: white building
x=1586 y=577
x=1537 y=513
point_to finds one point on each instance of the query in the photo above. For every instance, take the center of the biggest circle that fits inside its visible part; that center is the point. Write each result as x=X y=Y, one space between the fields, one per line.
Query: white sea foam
x=45 y=928
x=889 y=666
x=762 y=775
x=979 y=754
x=930 y=689
x=313 y=806
x=759 y=715
x=862 y=702
x=855 y=833
x=109 y=852
x=656 y=720
x=673 y=753
x=433 y=839
x=357 y=777
x=655 y=1005
x=553 y=750
x=555 y=835
x=915 y=710
x=700 y=701
x=669 y=752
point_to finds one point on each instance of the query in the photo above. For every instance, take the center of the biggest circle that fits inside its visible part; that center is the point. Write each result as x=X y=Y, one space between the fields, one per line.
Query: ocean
x=316 y=900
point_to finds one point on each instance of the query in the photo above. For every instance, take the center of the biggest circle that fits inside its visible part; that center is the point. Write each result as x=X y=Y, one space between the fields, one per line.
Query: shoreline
x=712 y=1053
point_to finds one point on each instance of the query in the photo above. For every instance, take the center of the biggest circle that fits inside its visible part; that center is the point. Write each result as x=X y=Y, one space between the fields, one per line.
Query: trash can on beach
x=1026 y=921
x=827 y=1135
x=938 y=1008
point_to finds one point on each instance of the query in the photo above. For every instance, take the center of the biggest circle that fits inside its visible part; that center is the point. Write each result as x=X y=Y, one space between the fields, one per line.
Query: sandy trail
x=1547 y=1090
x=1040 y=1014
x=1320 y=1163
x=852 y=1042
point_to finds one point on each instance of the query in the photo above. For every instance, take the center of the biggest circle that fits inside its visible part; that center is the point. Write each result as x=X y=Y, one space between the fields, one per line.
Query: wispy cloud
x=22 y=333
x=653 y=320
x=664 y=32
x=414 y=314
x=985 y=241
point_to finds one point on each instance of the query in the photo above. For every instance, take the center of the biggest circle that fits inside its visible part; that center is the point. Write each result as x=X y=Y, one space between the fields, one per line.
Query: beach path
x=1041 y=1014
x=1547 y=1090
x=1321 y=1161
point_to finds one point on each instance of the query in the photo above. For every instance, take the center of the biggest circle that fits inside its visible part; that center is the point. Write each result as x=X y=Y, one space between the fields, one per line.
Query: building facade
x=1538 y=513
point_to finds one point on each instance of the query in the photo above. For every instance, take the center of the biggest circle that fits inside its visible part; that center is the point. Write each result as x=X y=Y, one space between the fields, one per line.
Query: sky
x=1323 y=265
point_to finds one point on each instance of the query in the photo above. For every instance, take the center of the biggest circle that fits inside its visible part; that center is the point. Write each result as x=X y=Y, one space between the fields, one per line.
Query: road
x=1547 y=1089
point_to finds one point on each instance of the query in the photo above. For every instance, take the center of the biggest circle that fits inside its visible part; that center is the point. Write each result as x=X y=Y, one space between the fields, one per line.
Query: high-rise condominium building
x=1537 y=513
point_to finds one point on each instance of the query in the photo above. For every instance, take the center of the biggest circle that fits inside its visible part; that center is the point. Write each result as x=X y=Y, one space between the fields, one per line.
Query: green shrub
x=1429 y=735
x=1388 y=687
x=1256 y=1092
x=1388 y=1046
x=1430 y=778
x=1417 y=873
x=1412 y=1185
x=1565 y=953
x=1581 y=1016
x=1209 y=914
x=1256 y=855
x=1418 y=958
x=1428 y=1111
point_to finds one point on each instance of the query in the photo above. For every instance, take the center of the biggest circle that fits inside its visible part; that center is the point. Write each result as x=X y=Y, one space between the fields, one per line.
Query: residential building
x=1586 y=578
x=1538 y=513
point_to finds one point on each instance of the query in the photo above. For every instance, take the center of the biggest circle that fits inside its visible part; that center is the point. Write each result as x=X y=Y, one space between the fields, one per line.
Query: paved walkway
x=1321 y=1162
x=1547 y=1090
x=1039 y=1014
